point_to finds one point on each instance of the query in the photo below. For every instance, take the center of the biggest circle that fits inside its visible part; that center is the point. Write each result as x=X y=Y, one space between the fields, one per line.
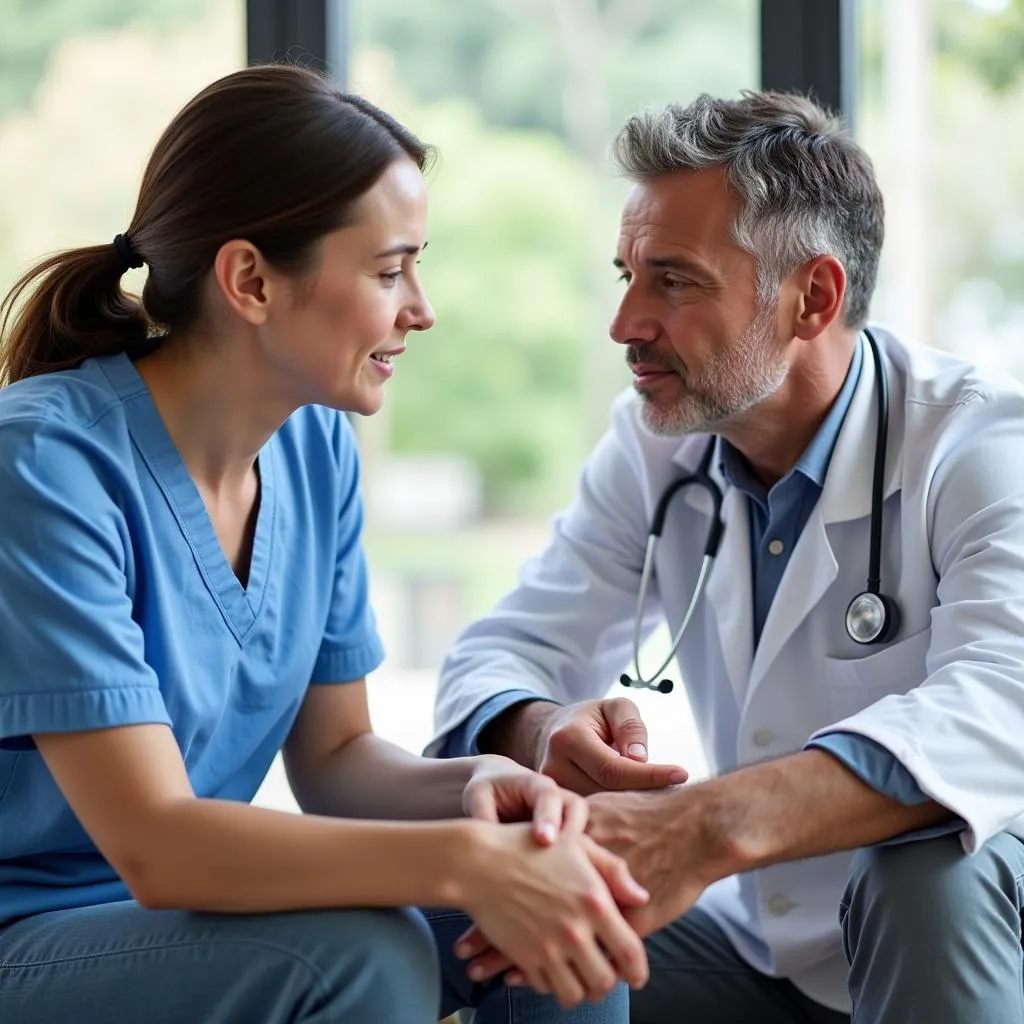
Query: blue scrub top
x=119 y=607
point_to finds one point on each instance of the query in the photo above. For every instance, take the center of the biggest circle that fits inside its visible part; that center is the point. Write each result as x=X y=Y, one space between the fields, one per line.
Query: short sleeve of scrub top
x=73 y=656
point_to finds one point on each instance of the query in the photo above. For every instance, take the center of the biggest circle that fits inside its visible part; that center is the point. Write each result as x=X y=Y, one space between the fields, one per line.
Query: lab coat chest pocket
x=856 y=683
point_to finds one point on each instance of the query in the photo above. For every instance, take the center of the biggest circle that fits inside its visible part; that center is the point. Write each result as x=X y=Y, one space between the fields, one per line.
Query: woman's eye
x=390 y=278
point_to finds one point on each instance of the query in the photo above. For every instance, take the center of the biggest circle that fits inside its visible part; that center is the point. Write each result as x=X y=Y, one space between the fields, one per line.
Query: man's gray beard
x=739 y=378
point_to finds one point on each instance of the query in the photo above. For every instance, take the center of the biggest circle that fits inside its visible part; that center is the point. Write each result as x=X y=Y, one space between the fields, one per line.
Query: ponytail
x=74 y=309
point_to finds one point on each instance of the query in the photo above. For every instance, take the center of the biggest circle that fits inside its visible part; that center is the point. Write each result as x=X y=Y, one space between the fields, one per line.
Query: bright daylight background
x=491 y=413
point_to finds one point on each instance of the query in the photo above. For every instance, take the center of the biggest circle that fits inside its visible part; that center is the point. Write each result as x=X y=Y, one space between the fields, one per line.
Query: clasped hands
x=586 y=751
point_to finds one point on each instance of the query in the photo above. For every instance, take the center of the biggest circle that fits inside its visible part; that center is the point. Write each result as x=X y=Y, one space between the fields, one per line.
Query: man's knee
x=907 y=871
x=924 y=886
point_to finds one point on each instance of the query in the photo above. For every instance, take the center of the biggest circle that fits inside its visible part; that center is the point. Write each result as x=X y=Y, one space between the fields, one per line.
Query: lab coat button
x=763 y=738
x=780 y=906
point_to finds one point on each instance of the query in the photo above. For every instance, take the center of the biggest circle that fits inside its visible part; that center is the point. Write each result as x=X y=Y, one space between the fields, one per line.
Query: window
x=491 y=413
x=942 y=87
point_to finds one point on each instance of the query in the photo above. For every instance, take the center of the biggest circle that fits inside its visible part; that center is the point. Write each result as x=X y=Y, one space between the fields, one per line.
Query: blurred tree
x=987 y=36
x=509 y=57
x=498 y=378
x=30 y=30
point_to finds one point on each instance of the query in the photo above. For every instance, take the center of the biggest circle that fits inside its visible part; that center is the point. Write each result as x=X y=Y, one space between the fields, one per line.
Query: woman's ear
x=242 y=279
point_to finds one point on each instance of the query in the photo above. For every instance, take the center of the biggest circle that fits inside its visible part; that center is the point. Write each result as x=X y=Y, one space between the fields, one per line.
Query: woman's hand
x=551 y=911
x=502 y=791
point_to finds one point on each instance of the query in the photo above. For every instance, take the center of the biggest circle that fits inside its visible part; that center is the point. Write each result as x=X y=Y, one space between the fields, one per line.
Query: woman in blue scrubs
x=183 y=595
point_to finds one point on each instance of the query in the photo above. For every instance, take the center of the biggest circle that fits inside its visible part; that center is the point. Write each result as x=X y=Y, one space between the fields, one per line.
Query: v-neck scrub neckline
x=240 y=605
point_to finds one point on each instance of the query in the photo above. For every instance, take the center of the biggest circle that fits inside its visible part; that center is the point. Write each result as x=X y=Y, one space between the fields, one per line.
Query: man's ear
x=820 y=287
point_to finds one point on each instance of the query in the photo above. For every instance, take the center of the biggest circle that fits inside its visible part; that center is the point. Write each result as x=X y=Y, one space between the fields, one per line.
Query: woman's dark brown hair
x=272 y=154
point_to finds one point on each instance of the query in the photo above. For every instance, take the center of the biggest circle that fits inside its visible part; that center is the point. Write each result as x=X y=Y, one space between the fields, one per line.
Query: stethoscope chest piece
x=872 y=618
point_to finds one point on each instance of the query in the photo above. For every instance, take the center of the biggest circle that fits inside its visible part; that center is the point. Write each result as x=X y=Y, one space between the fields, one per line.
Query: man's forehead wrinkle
x=651 y=244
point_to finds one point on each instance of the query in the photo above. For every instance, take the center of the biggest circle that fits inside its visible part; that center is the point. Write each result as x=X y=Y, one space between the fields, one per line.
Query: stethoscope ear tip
x=665 y=686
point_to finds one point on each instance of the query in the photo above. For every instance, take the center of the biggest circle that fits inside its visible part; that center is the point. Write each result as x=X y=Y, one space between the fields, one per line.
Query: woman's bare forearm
x=218 y=855
x=371 y=778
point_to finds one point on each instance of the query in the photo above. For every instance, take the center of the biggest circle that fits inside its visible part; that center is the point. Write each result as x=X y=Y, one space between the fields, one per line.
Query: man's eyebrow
x=668 y=263
x=404 y=249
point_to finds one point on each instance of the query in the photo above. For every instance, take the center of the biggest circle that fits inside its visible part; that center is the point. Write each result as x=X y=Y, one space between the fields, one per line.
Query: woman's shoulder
x=56 y=421
x=74 y=398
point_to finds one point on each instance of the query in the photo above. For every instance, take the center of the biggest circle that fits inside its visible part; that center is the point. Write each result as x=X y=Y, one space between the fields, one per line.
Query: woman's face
x=333 y=337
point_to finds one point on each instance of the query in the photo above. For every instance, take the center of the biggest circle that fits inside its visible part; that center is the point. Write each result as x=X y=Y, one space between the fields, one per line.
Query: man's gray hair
x=806 y=189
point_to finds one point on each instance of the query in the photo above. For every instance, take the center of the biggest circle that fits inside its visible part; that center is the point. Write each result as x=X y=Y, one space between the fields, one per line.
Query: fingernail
x=547 y=830
x=676 y=778
x=476 y=973
x=636 y=750
x=462 y=950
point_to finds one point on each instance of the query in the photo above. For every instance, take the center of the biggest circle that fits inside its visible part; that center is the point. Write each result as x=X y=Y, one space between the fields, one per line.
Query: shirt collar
x=813 y=464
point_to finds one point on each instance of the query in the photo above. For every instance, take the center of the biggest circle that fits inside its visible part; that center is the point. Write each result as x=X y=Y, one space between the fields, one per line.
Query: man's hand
x=668 y=850
x=599 y=745
x=502 y=791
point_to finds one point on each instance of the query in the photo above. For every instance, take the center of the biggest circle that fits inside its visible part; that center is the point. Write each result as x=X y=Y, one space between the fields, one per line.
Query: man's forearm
x=518 y=732
x=804 y=805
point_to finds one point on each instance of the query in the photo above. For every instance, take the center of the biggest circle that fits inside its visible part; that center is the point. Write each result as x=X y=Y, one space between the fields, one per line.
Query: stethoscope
x=871 y=617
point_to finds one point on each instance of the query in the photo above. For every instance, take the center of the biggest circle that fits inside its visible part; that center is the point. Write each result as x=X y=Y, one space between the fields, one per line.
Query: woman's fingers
x=622 y=946
x=624 y=888
x=547 y=813
x=481 y=802
x=593 y=968
x=566 y=987
x=488 y=964
x=471 y=943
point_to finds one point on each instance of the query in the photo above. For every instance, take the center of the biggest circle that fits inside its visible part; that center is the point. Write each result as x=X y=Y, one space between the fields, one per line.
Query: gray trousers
x=932 y=937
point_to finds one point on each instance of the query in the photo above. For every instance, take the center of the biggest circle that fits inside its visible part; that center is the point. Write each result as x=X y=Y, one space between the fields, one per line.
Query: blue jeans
x=119 y=963
x=932 y=937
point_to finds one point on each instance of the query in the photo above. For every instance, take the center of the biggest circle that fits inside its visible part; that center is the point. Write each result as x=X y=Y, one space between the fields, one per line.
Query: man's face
x=702 y=350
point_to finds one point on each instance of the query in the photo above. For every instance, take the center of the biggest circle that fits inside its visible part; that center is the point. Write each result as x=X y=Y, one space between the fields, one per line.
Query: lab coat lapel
x=813 y=567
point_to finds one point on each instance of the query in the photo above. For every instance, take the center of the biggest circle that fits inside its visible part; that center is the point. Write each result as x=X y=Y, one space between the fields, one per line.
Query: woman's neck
x=215 y=406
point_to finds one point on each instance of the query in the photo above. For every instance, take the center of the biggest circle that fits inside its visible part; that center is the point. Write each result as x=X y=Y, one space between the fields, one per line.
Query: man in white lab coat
x=856 y=844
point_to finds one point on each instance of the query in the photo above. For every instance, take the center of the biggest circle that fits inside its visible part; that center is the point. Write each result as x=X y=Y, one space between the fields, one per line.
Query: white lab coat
x=946 y=696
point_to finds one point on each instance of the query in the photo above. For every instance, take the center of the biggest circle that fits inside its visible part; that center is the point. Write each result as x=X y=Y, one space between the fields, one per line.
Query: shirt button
x=776 y=547
x=763 y=737
x=780 y=906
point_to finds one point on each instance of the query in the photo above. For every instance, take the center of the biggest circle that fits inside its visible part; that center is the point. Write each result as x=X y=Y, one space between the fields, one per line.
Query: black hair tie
x=126 y=251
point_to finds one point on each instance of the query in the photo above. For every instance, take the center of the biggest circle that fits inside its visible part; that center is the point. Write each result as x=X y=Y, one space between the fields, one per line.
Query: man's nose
x=631 y=325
